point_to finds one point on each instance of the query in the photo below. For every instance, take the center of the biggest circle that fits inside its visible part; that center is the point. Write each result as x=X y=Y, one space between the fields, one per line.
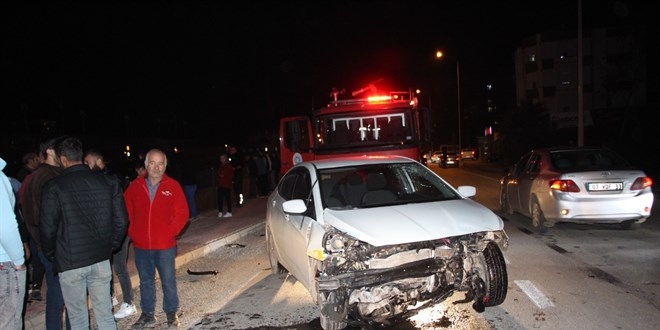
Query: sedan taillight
x=641 y=183
x=564 y=185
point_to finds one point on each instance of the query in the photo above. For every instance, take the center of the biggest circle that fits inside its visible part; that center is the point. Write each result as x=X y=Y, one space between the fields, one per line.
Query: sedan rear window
x=588 y=160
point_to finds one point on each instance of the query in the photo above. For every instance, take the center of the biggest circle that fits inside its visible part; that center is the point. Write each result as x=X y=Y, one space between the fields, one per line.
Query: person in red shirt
x=157 y=212
x=223 y=185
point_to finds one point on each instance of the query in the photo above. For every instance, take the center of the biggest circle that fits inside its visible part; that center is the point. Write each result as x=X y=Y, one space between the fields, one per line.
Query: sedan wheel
x=537 y=218
x=504 y=203
x=275 y=266
x=495 y=275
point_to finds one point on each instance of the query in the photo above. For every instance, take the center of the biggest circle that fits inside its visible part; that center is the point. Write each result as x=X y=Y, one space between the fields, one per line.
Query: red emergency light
x=379 y=98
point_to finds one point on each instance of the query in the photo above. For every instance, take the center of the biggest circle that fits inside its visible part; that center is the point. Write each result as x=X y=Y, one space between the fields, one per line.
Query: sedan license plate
x=605 y=186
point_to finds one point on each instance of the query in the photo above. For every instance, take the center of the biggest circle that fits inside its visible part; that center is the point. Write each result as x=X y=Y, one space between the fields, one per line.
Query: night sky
x=222 y=70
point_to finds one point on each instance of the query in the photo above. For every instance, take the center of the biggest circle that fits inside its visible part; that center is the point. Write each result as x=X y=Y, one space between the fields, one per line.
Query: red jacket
x=225 y=176
x=155 y=225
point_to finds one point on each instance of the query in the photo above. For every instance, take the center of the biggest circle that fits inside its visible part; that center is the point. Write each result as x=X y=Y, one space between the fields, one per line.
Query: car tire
x=275 y=266
x=496 y=275
x=504 y=203
x=538 y=220
x=332 y=315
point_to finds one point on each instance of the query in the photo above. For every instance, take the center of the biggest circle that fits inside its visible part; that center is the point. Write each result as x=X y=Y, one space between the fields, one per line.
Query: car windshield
x=588 y=160
x=382 y=184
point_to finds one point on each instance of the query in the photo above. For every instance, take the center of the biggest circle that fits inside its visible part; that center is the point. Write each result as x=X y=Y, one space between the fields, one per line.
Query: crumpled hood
x=414 y=222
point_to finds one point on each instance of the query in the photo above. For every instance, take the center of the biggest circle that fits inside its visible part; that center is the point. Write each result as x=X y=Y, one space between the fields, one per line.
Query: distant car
x=450 y=158
x=374 y=239
x=576 y=184
x=435 y=157
x=468 y=154
x=450 y=155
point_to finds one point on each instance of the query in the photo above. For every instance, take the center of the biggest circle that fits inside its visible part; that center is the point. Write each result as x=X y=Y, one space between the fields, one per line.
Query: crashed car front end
x=358 y=283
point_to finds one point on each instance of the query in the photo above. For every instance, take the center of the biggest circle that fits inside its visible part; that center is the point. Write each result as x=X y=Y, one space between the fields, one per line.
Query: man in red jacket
x=157 y=212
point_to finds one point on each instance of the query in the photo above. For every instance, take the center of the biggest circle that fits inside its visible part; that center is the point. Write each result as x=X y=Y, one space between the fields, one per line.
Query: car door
x=513 y=183
x=291 y=234
x=526 y=180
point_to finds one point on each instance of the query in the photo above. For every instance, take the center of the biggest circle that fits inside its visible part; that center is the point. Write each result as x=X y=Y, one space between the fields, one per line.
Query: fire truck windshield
x=358 y=128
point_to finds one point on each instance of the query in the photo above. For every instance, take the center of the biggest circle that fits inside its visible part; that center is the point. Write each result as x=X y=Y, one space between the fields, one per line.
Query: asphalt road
x=573 y=277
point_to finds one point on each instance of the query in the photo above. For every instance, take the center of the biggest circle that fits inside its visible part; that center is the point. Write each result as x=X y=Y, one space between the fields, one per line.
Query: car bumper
x=600 y=211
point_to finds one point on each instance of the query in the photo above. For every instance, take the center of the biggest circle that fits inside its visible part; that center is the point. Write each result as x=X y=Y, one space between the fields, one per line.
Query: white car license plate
x=605 y=186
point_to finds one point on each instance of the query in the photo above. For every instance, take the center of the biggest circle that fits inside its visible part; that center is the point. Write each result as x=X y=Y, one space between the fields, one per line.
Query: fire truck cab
x=382 y=123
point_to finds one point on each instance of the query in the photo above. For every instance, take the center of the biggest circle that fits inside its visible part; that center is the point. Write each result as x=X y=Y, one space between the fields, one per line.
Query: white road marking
x=536 y=296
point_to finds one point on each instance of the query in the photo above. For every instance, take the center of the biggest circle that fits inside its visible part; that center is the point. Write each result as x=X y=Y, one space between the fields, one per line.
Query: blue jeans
x=54 y=299
x=12 y=296
x=94 y=280
x=147 y=262
x=190 y=190
x=119 y=260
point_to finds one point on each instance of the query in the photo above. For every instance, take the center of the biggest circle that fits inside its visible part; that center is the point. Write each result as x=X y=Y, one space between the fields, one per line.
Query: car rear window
x=588 y=160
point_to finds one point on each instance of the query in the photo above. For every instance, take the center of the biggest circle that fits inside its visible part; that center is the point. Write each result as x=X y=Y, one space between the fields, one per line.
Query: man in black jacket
x=83 y=220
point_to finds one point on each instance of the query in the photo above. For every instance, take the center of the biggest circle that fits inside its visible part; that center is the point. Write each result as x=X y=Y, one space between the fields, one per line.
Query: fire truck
x=377 y=123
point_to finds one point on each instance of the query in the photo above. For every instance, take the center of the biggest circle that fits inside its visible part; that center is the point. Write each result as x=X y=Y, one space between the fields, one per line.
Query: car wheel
x=333 y=311
x=537 y=217
x=627 y=225
x=504 y=203
x=496 y=277
x=275 y=266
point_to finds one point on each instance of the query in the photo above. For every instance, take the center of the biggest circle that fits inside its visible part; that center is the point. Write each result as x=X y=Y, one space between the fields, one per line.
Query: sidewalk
x=204 y=234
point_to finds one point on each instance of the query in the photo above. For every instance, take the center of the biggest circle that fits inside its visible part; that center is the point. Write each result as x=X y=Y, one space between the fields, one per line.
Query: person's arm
x=10 y=238
x=48 y=221
x=119 y=216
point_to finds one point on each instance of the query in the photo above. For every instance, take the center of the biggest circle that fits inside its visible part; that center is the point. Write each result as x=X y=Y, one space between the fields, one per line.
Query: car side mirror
x=467 y=191
x=294 y=206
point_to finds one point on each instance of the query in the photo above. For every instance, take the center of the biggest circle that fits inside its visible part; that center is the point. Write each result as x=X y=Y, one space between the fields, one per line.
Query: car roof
x=357 y=160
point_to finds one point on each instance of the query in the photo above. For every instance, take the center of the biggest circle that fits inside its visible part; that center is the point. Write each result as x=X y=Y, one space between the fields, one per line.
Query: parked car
x=374 y=239
x=468 y=154
x=576 y=184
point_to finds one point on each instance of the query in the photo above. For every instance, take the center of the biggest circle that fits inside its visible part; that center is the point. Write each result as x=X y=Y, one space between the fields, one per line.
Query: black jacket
x=83 y=218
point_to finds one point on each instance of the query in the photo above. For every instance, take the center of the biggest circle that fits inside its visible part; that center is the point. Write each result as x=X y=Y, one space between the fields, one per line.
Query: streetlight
x=438 y=54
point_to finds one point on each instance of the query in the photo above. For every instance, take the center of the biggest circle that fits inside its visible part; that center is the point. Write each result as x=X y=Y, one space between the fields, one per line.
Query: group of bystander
x=80 y=222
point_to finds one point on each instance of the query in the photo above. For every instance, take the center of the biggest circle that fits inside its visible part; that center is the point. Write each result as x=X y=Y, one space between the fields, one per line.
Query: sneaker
x=145 y=321
x=227 y=215
x=115 y=302
x=172 y=320
x=220 y=214
x=125 y=310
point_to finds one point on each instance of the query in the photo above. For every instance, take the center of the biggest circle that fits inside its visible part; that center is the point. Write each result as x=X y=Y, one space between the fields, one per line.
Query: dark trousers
x=224 y=195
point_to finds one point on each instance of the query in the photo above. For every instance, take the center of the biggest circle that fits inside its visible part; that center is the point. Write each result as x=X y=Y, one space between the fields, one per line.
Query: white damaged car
x=375 y=239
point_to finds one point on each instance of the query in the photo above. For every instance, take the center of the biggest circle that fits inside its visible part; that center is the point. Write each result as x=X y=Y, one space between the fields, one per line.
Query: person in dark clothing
x=30 y=199
x=254 y=175
x=83 y=219
x=96 y=162
x=223 y=184
x=30 y=162
x=188 y=180
x=236 y=160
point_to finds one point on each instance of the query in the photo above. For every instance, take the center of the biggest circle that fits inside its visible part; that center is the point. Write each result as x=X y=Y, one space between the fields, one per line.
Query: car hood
x=414 y=222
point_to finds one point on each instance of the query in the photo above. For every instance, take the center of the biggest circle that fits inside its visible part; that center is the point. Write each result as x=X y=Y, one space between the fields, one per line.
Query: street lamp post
x=438 y=54
x=458 y=101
